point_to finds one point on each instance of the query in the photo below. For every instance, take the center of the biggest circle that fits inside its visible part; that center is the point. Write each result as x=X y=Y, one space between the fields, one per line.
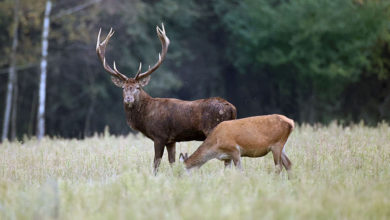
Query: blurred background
x=313 y=60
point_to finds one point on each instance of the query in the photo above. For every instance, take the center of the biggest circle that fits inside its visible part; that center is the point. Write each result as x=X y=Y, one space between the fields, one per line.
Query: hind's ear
x=182 y=157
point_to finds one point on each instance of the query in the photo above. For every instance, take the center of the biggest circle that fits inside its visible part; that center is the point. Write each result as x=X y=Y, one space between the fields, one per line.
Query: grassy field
x=339 y=173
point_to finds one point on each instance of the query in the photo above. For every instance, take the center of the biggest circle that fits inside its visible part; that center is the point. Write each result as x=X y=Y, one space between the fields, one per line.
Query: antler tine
x=115 y=69
x=98 y=40
x=163 y=29
x=164 y=49
x=139 y=70
x=101 y=50
x=109 y=35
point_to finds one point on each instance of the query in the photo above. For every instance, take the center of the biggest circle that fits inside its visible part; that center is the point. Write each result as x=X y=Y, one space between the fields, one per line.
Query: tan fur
x=247 y=137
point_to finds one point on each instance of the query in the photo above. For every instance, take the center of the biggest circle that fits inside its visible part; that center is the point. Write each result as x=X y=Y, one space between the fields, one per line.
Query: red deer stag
x=164 y=120
x=247 y=137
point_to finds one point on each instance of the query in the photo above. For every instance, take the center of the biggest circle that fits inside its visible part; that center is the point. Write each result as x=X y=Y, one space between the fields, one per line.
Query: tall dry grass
x=339 y=173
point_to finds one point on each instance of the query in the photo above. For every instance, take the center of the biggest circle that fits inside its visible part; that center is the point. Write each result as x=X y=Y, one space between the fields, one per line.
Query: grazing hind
x=247 y=137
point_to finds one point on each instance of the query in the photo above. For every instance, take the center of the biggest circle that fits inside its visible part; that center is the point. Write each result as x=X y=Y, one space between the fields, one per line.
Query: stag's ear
x=118 y=82
x=144 y=81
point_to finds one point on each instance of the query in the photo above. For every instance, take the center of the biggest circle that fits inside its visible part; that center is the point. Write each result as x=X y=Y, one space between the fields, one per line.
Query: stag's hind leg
x=171 y=148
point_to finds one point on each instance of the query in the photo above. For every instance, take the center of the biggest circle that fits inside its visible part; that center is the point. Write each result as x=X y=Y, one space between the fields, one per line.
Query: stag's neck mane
x=135 y=114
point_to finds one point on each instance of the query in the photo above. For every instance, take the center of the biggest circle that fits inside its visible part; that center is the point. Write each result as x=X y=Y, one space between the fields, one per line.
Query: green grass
x=339 y=173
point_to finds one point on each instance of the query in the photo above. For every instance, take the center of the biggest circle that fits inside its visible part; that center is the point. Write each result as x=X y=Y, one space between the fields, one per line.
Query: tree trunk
x=14 y=108
x=11 y=74
x=31 y=123
x=42 y=80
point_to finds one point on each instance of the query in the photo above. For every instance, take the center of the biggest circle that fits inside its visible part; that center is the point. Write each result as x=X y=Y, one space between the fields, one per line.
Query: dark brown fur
x=167 y=121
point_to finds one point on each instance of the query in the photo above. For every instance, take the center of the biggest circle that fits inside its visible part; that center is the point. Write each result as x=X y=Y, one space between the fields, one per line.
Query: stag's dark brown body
x=172 y=120
x=165 y=120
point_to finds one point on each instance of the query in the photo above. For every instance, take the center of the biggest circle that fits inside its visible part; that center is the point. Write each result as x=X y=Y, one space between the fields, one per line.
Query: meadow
x=338 y=173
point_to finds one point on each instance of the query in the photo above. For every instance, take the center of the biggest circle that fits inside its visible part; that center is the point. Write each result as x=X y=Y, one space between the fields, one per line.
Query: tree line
x=312 y=60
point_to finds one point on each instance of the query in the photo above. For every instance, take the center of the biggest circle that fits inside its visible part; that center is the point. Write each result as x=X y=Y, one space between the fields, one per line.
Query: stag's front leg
x=171 y=148
x=158 y=153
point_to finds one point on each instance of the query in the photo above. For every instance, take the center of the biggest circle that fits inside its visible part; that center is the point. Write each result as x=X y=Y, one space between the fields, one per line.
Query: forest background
x=313 y=60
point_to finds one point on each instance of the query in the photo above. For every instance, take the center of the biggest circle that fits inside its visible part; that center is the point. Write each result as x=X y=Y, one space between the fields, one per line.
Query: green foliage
x=325 y=45
x=314 y=37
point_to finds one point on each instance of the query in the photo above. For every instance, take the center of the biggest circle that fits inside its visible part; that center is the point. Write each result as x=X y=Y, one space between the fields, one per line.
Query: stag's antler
x=164 y=49
x=101 y=50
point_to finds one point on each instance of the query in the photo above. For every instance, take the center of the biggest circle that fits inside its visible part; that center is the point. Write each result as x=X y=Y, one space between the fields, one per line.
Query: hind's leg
x=286 y=162
x=229 y=153
x=277 y=153
x=236 y=157
x=228 y=163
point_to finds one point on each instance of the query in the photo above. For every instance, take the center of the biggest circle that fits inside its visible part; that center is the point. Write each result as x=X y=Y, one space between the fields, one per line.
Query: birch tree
x=42 y=80
x=12 y=78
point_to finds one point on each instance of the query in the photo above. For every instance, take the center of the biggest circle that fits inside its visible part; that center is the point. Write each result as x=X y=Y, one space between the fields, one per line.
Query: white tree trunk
x=42 y=82
x=14 y=112
x=8 y=103
x=11 y=74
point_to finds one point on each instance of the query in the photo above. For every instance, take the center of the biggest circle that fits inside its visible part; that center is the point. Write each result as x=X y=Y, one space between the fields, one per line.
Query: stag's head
x=132 y=87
